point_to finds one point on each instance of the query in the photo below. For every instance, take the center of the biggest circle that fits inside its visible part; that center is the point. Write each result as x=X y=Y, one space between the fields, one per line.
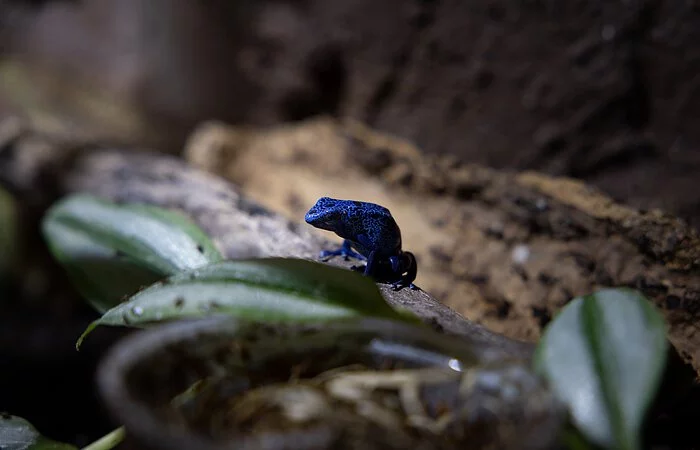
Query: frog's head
x=326 y=214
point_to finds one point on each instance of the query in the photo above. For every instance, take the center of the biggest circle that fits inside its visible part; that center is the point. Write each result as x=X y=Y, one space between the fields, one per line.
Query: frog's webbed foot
x=345 y=251
x=398 y=285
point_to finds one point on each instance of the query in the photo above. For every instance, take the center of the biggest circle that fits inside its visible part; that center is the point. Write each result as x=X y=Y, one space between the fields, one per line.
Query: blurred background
x=608 y=92
x=604 y=91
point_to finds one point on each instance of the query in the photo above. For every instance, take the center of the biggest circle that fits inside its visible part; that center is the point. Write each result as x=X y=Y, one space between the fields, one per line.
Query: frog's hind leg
x=406 y=262
x=345 y=251
x=395 y=262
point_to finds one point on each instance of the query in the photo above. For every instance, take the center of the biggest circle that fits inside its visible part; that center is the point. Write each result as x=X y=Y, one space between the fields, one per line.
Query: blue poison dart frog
x=370 y=234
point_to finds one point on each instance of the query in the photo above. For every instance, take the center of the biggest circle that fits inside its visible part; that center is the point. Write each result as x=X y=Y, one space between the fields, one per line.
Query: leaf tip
x=87 y=331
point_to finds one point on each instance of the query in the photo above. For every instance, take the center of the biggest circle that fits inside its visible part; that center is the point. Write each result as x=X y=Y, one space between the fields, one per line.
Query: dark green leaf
x=273 y=289
x=112 y=250
x=604 y=355
x=18 y=434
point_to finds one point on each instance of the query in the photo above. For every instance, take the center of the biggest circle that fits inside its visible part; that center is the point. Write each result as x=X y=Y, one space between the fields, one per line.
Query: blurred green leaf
x=108 y=441
x=18 y=434
x=604 y=355
x=271 y=289
x=112 y=250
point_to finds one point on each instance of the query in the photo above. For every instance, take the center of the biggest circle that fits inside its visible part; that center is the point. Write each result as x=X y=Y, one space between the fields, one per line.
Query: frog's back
x=373 y=227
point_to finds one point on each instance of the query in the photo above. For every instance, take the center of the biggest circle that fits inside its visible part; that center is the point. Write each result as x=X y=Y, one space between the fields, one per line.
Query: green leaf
x=604 y=355
x=112 y=250
x=18 y=434
x=271 y=289
x=108 y=441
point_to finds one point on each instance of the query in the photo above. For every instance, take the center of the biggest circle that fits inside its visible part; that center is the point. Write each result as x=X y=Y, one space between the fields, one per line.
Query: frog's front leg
x=370 y=263
x=345 y=251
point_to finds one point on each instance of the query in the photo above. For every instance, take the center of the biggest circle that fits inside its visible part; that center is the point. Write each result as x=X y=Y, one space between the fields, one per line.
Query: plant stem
x=107 y=441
